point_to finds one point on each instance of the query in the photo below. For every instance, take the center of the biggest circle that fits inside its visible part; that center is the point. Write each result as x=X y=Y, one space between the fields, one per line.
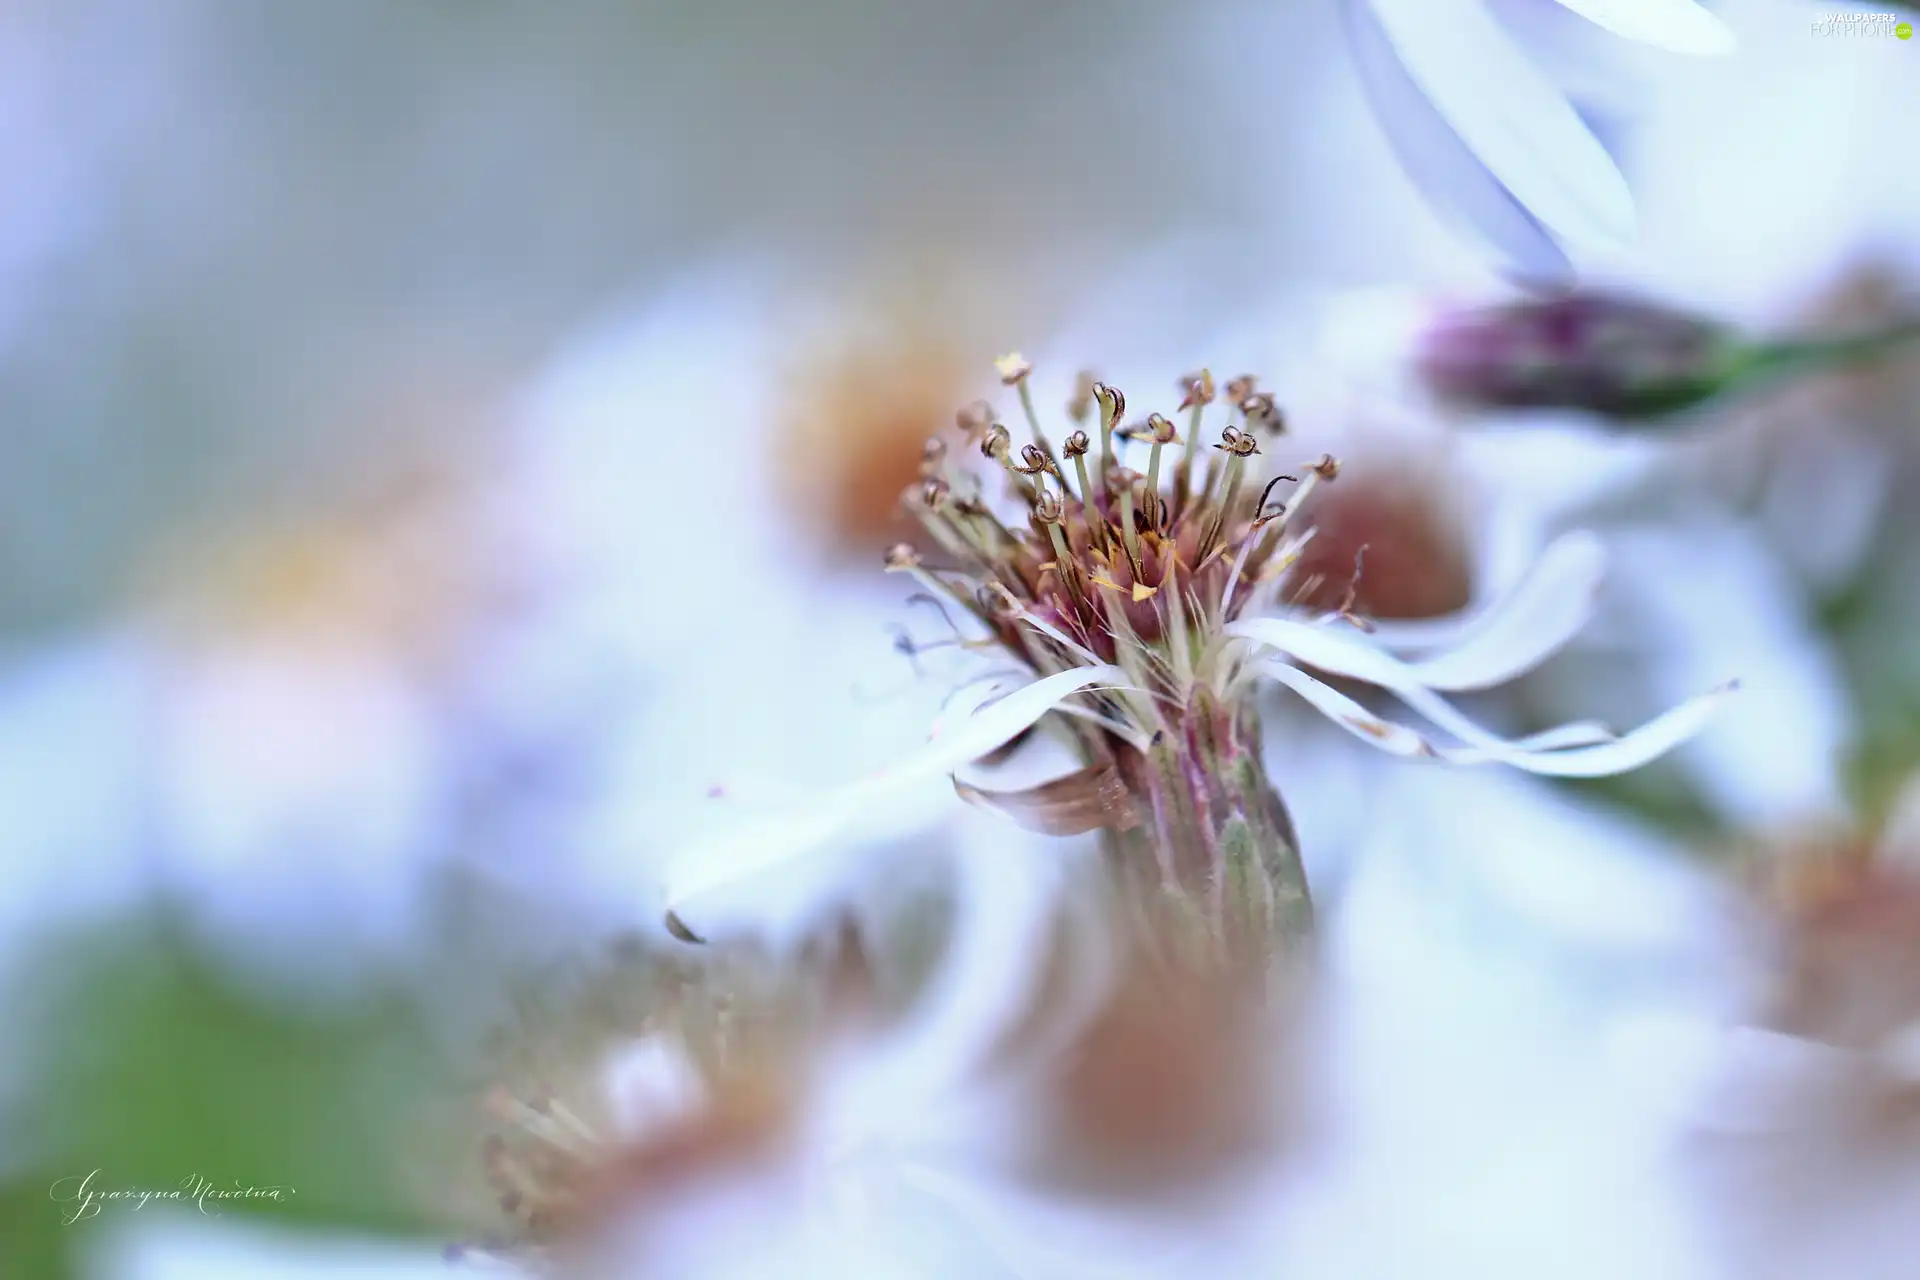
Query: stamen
x=1163 y=434
x=1112 y=406
x=997 y=444
x=974 y=420
x=1130 y=536
x=1260 y=515
x=902 y=558
x=1015 y=371
x=1238 y=446
x=931 y=502
x=1260 y=411
x=1036 y=461
x=1352 y=597
x=1076 y=448
x=1199 y=394
x=1080 y=407
x=1255 y=537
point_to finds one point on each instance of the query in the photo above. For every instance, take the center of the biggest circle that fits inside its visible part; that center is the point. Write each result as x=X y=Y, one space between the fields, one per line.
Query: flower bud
x=1610 y=355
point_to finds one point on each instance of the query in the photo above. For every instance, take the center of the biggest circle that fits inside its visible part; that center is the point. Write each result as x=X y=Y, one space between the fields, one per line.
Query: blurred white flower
x=292 y=728
x=1489 y=136
x=779 y=1113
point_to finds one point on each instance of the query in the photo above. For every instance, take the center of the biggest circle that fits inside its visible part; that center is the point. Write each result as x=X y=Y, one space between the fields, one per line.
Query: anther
x=1013 y=369
x=996 y=442
x=1241 y=387
x=975 y=418
x=1034 y=461
x=1196 y=388
x=901 y=558
x=1237 y=443
x=1112 y=406
x=935 y=493
x=1081 y=405
x=1076 y=448
x=933 y=456
x=1261 y=411
x=1163 y=433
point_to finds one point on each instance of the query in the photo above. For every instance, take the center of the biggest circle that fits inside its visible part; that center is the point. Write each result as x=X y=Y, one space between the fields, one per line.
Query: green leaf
x=156 y=1071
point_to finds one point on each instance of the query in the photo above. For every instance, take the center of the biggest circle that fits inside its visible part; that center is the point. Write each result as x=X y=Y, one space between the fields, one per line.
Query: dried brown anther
x=1240 y=444
x=997 y=442
x=1034 y=461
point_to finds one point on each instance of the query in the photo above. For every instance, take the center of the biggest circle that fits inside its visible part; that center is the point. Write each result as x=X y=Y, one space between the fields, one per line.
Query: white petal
x=1339 y=655
x=745 y=851
x=1440 y=164
x=1680 y=26
x=1511 y=116
x=1520 y=632
x=992 y=726
x=1399 y=740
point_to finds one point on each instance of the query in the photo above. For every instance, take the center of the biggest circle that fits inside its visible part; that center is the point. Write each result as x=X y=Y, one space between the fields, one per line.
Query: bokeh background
x=445 y=453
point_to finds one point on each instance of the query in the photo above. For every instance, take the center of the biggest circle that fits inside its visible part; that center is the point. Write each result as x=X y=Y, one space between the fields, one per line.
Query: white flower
x=1477 y=650
x=1488 y=136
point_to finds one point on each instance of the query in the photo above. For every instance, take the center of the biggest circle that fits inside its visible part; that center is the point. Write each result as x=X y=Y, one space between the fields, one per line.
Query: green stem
x=1213 y=870
x=1794 y=357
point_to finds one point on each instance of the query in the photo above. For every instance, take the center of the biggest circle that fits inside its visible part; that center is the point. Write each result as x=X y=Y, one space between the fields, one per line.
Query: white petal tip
x=1677 y=26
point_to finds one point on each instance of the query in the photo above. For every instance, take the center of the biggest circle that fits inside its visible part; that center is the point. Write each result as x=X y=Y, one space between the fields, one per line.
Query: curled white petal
x=743 y=852
x=1400 y=740
x=1349 y=655
x=1340 y=655
x=1579 y=750
x=1511 y=116
x=1679 y=26
x=1532 y=623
